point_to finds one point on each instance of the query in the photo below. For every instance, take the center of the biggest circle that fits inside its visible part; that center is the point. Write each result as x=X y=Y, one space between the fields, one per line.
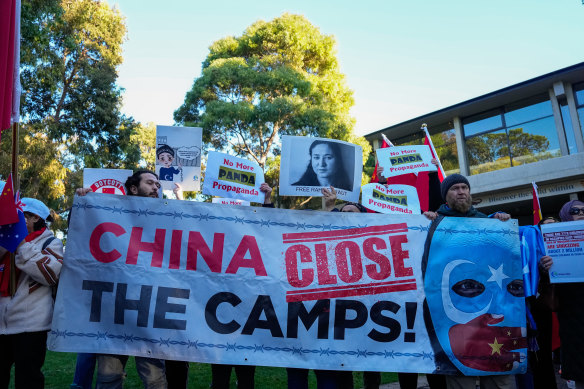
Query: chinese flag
x=374 y=176
x=536 y=208
x=8 y=213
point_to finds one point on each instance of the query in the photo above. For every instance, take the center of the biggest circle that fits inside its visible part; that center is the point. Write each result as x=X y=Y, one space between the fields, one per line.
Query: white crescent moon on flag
x=454 y=314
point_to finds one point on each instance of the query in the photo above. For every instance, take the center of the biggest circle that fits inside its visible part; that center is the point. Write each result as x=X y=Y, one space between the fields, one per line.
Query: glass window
x=480 y=123
x=445 y=144
x=527 y=134
x=579 y=92
x=567 y=120
x=534 y=141
x=488 y=152
x=581 y=116
x=527 y=110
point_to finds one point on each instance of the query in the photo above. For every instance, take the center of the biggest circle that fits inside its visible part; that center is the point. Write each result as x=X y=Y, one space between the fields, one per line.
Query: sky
x=402 y=59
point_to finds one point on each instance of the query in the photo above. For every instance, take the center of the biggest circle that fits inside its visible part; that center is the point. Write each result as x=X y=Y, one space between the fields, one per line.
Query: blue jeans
x=84 y=370
x=111 y=375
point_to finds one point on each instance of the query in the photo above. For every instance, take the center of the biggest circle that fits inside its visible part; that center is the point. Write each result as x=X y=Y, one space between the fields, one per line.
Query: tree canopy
x=70 y=105
x=278 y=78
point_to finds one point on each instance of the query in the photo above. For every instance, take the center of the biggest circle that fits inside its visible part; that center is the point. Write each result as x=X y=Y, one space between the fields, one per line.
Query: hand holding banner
x=391 y=199
x=233 y=177
x=405 y=159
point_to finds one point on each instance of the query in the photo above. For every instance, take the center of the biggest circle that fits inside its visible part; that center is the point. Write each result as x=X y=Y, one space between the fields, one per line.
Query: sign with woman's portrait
x=309 y=164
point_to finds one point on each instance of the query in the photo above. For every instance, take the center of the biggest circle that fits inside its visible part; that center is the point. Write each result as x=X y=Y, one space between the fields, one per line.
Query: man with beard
x=455 y=191
x=110 y=368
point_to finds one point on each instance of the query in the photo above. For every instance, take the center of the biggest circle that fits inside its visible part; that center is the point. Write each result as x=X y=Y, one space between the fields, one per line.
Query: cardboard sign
x=219 y=200
x=309 y=164
x=396 y=199
x=233 y=177
x=191 y=281
x=178 y=157
x=110 y=181
x=564 y=242
x=405 y=159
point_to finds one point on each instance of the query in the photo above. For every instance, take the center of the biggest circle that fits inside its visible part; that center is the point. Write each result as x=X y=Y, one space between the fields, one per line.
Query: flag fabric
x=8 y=212
x=419 y=181
x=532 y=249
x=12 y=234
x=9 y=63
x=428 y=142
x=536 y=208
x=375 y=176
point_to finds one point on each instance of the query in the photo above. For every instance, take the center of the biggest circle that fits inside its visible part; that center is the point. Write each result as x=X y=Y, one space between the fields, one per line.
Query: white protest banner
x=309 y=164
x=109 y=181
x=233 y=177
x=564 y=242
x=178 y=156
x=191 y=281
x=219 y=200
x=405 y=159
x=397 y=199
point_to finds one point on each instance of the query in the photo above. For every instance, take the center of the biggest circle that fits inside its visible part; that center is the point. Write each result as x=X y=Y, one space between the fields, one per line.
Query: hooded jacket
x=31 y=307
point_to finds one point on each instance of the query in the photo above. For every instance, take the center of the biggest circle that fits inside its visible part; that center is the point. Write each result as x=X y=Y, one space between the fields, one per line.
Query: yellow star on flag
x=496 y=347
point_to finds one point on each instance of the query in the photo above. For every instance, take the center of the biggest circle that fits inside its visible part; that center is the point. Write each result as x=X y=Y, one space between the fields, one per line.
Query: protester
x=455 y=191
x=428 y=188
x=221 y=374
x=110 y=368
x=540 y=370
x=571 y=312
x=26 y=316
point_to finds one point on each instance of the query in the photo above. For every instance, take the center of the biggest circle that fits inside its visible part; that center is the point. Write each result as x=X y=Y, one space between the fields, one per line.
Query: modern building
x=507 y=139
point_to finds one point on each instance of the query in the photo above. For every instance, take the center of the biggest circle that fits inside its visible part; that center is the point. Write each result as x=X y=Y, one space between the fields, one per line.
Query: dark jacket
x=445 y=210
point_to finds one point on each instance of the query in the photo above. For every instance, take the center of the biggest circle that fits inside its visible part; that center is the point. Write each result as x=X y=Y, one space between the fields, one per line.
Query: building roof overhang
x=525 y=89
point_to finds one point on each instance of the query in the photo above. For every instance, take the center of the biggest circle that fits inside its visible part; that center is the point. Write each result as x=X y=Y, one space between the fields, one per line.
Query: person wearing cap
x=26 y=316
x=455 y=191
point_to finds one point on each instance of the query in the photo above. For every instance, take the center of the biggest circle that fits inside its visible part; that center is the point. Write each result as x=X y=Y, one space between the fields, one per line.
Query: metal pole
x=16 y=185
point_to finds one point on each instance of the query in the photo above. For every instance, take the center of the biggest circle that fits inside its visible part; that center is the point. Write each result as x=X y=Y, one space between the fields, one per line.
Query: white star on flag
x=497 y=276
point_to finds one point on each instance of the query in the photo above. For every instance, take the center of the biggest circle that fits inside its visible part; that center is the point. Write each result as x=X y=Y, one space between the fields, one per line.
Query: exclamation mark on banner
x=411 y=309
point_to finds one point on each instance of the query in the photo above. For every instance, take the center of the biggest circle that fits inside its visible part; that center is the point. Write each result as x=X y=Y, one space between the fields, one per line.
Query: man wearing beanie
x=455 y=190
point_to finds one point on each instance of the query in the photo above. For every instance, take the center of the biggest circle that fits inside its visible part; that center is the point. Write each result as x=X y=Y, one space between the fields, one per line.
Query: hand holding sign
x=400 y=160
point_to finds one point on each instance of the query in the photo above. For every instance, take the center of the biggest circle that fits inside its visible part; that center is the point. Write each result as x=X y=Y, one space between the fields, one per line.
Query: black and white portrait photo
x=309 y=164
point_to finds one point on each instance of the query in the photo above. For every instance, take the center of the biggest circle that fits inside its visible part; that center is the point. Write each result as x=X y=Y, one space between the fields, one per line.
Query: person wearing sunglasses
x=571 y=312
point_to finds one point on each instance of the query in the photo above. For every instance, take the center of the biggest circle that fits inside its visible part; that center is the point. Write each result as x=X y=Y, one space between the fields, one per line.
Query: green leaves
x=278 y=77
x=70 y=105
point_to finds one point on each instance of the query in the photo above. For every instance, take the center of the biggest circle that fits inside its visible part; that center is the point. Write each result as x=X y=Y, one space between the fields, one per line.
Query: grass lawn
x=60 y=367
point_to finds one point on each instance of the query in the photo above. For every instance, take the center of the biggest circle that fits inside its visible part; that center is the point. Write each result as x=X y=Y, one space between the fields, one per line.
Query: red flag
x=8 y=212
x=536 y=208
x=9 y=62
x=374 y=176
x=428 y=142
x=419 y=181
